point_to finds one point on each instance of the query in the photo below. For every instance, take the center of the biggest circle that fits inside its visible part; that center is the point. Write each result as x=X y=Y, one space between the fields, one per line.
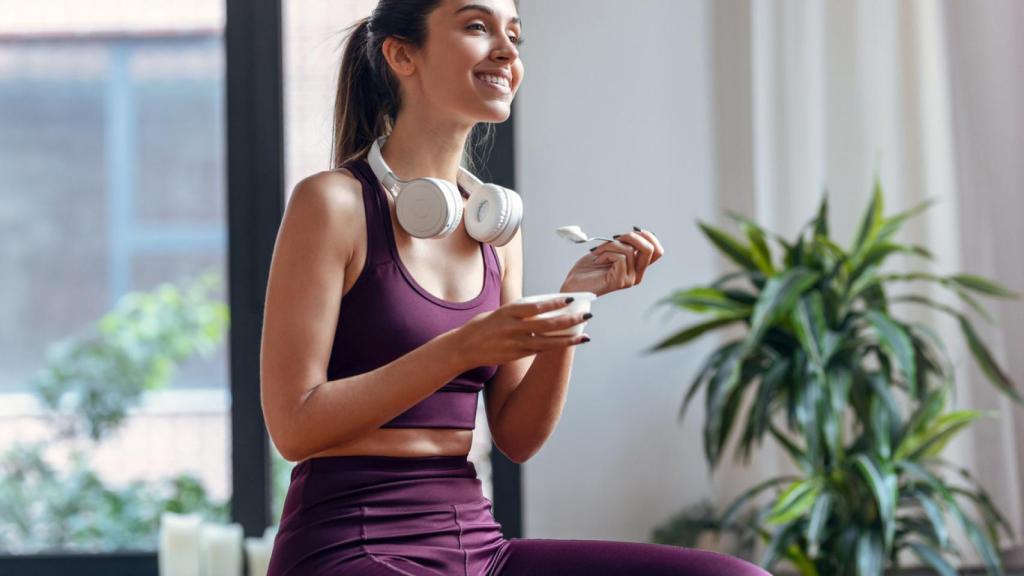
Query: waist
x=405 y=443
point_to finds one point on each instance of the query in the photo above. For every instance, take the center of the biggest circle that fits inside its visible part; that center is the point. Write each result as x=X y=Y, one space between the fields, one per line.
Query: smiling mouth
x=498 y=83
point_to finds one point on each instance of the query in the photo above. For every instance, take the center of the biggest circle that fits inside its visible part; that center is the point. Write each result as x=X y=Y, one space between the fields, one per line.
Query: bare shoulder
x=331 y=189
x=331 y=201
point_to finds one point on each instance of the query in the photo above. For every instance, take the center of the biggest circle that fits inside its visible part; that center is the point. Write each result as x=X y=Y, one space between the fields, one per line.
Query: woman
x=406 y=333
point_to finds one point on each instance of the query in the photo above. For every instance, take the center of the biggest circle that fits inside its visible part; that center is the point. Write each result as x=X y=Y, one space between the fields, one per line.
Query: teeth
x=501 y=80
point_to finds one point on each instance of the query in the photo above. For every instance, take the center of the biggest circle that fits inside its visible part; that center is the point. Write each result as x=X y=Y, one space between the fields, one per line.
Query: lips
x=503 y=72
x=492 y=86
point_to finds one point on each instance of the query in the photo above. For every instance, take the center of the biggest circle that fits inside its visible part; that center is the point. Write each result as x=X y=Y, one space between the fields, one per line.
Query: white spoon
x=576 y=235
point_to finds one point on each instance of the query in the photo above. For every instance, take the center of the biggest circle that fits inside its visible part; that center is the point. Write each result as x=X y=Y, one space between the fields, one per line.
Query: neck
x=421 y=146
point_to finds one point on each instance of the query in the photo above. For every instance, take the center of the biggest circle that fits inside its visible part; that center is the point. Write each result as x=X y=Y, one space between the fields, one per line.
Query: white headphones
x=432 y=207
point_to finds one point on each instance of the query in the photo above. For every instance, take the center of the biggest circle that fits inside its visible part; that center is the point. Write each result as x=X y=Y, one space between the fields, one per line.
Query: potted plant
x=86 y=389
x=856 y=396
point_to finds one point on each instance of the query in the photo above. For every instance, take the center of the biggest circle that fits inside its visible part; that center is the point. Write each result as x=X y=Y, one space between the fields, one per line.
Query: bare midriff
x=408 y=442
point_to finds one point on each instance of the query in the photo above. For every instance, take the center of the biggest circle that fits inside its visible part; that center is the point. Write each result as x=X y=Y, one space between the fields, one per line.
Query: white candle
x=221 y=549
x=178 y=553
x=257 y=551
x=270 y=533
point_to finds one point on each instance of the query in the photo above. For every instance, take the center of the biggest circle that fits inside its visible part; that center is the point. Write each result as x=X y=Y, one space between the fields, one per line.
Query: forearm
x=533 y=409
x=340 y=410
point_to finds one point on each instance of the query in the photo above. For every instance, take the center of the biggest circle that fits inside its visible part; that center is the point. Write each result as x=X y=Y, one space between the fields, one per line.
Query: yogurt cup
x=580 y=305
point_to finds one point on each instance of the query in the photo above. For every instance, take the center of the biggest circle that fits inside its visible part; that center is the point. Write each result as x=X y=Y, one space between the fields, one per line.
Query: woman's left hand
x=616 y=265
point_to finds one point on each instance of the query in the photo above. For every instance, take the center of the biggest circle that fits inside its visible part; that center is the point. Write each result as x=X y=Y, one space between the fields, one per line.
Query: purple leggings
x=391 y=515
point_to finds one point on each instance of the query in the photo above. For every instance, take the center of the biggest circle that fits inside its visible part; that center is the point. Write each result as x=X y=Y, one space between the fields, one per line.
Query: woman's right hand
x=504 y=334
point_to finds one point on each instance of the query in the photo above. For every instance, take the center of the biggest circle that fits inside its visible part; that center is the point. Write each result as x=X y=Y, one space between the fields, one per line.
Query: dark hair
x=368 y=98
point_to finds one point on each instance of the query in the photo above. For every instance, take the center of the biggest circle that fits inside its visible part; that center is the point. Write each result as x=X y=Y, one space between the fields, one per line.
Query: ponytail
x=364 y=107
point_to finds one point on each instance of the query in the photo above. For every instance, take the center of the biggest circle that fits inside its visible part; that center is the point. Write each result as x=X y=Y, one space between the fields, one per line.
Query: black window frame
x=255 y=186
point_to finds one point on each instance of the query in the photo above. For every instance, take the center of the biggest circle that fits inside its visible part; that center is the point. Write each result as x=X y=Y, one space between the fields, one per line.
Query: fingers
x=648 y=249
x=622 y=255
x=542 y=325
x=540 y=342
x=650 y=237
x=528 y=309
x=644 y=251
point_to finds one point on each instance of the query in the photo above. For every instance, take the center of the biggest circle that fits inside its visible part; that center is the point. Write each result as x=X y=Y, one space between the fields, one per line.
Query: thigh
x=379 y=565
x=612 y=558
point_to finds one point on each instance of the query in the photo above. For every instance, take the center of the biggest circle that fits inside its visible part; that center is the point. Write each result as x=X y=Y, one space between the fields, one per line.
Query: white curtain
x=810 y=95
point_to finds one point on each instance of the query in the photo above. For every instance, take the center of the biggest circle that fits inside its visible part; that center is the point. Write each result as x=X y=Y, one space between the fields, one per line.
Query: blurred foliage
x=854 y=395
x=87 y=388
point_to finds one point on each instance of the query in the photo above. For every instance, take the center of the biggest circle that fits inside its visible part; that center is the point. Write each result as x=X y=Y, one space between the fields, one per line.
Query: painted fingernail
x=588 y=316
x=594 y=248
x=617 y=235
x=637 y=229
x=569 y=300
x=585 y=339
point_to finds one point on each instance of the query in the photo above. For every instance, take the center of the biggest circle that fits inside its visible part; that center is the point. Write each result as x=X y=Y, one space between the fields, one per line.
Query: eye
x=515 y=39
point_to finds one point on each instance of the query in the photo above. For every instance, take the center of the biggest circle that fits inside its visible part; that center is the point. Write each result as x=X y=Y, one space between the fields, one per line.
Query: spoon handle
x=601 y=238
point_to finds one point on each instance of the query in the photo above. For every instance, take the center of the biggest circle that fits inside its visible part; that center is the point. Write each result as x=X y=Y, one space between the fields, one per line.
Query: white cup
x=580 y=305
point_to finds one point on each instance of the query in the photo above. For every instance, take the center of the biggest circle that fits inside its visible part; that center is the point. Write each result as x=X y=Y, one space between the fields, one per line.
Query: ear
x=398 y=55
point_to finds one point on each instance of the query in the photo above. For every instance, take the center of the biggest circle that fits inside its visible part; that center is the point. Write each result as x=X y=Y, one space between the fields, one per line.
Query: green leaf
x=729 y=516
x=988 y=364
x=798 y=455
x=816 y=524
x=983 y=285
x=821 y=220
x=881 y=484
x=933 y=510
x=870 y=554
x=870 y=224
x=980 y=541
x=712 y=363
x=933 y=558
x=925 y=414
x=895 y=340
x=760 y=409
x=892 y=225
x=703 y=299
x=759 y=251
x=729 y=245
x=809 y=323
x=795 y=501
x=777 y=300
x=779 y=542
x=696 y=331
x=934 y=438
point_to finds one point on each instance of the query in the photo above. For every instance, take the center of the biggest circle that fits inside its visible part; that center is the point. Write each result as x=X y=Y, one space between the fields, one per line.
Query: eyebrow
x=482 y=8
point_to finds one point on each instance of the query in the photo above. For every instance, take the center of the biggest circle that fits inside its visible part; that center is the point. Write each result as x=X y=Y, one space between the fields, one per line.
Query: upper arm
x=510 y=374
x=307 y=272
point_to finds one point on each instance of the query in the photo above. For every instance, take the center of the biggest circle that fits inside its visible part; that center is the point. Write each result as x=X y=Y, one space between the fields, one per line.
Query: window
x=114 y=398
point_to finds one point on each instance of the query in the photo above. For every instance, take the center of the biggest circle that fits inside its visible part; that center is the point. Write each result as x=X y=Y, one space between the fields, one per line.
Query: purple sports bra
x=386 y=314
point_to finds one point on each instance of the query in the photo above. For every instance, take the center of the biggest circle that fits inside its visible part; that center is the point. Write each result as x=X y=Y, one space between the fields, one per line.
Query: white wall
x=612 y=130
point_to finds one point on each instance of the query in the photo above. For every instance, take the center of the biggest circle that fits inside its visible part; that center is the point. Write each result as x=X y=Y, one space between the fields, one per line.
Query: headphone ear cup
x=429 y=208
x=493 y=214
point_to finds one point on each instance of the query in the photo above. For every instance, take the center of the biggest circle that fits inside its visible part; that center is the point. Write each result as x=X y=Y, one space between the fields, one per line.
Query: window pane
x=114 y=399
x=313 y=35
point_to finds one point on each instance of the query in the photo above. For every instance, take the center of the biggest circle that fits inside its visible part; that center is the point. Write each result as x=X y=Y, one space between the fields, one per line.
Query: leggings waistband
x=384 y=463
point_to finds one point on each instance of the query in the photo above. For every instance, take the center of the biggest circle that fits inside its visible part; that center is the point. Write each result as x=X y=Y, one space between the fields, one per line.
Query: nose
x=506 y=51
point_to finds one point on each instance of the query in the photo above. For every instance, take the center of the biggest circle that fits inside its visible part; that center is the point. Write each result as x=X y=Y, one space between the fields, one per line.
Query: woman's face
x=467 y=42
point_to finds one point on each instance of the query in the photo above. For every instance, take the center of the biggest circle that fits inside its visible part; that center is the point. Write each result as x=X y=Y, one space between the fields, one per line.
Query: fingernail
x=588 y=316
x=585 y=339
x=594 y=248
x=617 y=235
x=637 y=229
x=569 y=300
